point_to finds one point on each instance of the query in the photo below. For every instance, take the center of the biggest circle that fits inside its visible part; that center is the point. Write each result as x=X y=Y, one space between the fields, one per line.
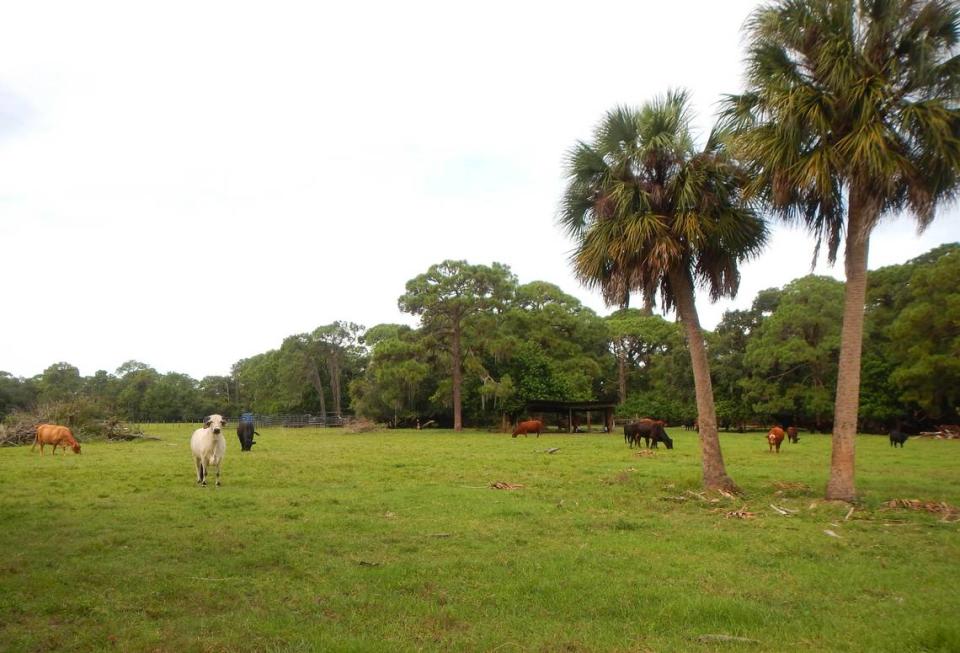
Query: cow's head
x=215 y=422
x=75 y=446
x=666 y=439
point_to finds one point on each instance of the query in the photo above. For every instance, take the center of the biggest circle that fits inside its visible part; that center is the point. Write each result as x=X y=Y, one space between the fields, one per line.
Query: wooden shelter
x=576 y=413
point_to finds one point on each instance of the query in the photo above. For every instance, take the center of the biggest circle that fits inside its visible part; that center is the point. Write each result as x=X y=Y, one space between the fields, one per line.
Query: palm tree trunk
x=841 y=483
x=714 y=472
x=457 y=377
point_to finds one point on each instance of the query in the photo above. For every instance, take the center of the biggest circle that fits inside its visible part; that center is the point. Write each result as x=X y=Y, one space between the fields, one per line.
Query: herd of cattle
x=208 y=444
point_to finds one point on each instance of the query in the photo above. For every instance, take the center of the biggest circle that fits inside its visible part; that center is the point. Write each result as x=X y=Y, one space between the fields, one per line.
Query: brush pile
x=943 y=432
x=20 y=427
x=360 y=425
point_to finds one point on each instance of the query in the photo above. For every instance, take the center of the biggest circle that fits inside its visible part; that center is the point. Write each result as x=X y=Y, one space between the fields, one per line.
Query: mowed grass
x=325 y=541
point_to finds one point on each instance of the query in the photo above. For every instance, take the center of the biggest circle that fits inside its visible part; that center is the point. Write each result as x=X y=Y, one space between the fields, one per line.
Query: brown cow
x=55 y=435
x=775 y=438
x=792 y=435
x=530 y=426
x=651 y=430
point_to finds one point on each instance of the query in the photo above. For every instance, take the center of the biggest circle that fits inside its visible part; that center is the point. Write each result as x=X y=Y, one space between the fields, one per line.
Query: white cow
x=208 y=446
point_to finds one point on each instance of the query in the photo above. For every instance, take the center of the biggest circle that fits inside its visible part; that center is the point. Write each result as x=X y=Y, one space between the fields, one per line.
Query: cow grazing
x=245 y=431
x=208 y=446
x=897 y=437
x=530 y=426
x=775 y=438
x=651 y=430
x=57 y=436
x=792 y=434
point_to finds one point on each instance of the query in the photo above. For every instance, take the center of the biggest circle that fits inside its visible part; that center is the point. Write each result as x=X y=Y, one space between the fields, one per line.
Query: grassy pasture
x=324 y=541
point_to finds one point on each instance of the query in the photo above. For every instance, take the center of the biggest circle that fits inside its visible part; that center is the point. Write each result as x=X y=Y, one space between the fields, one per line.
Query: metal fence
x=296 y=421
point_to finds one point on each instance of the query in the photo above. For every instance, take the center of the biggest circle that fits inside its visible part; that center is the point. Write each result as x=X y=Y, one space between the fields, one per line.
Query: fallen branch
x=501 y=485
x=726 y=638
x=743 y=513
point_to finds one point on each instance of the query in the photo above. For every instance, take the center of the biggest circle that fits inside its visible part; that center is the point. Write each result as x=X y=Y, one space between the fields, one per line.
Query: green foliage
x=914 y=321
x=728 y=347
x=59 y=382
x=15 y=393
x=398 y=379
x=135 y=380
x=172 y=397
x=792 y=358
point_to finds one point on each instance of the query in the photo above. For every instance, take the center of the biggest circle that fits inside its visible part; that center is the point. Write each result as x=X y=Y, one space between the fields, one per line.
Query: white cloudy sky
x=164 y=166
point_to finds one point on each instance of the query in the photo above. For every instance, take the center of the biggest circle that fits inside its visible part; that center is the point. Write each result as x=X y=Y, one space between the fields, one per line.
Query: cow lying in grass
x=57 y=436
x=208 y=446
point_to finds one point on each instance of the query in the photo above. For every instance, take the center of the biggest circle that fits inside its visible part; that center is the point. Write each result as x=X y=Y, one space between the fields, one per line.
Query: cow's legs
x=199 y=465
x=218 y=474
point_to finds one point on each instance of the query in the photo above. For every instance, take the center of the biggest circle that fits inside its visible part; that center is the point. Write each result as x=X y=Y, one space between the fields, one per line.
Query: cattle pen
x=574 y=414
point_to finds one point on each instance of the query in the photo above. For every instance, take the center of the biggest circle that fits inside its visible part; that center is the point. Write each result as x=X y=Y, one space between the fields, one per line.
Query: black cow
x=650 y=430
x=898 y=437
x=245 y=432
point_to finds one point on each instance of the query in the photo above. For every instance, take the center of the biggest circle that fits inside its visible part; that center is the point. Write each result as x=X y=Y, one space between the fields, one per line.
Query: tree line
x=774 y=362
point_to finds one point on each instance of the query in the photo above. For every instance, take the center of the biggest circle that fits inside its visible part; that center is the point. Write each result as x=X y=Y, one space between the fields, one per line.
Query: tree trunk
x=317 y=383
x=622 y=373
x=333 y=366
x=714 y=472
x=647 y=309
x=841 y=483
x=457 y=377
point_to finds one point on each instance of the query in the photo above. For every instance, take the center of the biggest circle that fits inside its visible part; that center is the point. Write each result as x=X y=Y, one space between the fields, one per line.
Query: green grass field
x=325 y=541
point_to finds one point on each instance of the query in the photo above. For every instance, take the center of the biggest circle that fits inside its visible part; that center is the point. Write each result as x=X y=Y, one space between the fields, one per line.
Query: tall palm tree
x=649 y=212
x=850 y=114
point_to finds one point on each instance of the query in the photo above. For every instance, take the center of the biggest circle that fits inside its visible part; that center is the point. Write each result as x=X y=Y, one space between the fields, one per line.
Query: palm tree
x=850 y=114
x=649 y=212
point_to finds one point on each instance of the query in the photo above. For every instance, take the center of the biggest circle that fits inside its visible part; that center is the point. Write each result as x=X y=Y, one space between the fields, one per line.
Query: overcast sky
x=187 y=183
